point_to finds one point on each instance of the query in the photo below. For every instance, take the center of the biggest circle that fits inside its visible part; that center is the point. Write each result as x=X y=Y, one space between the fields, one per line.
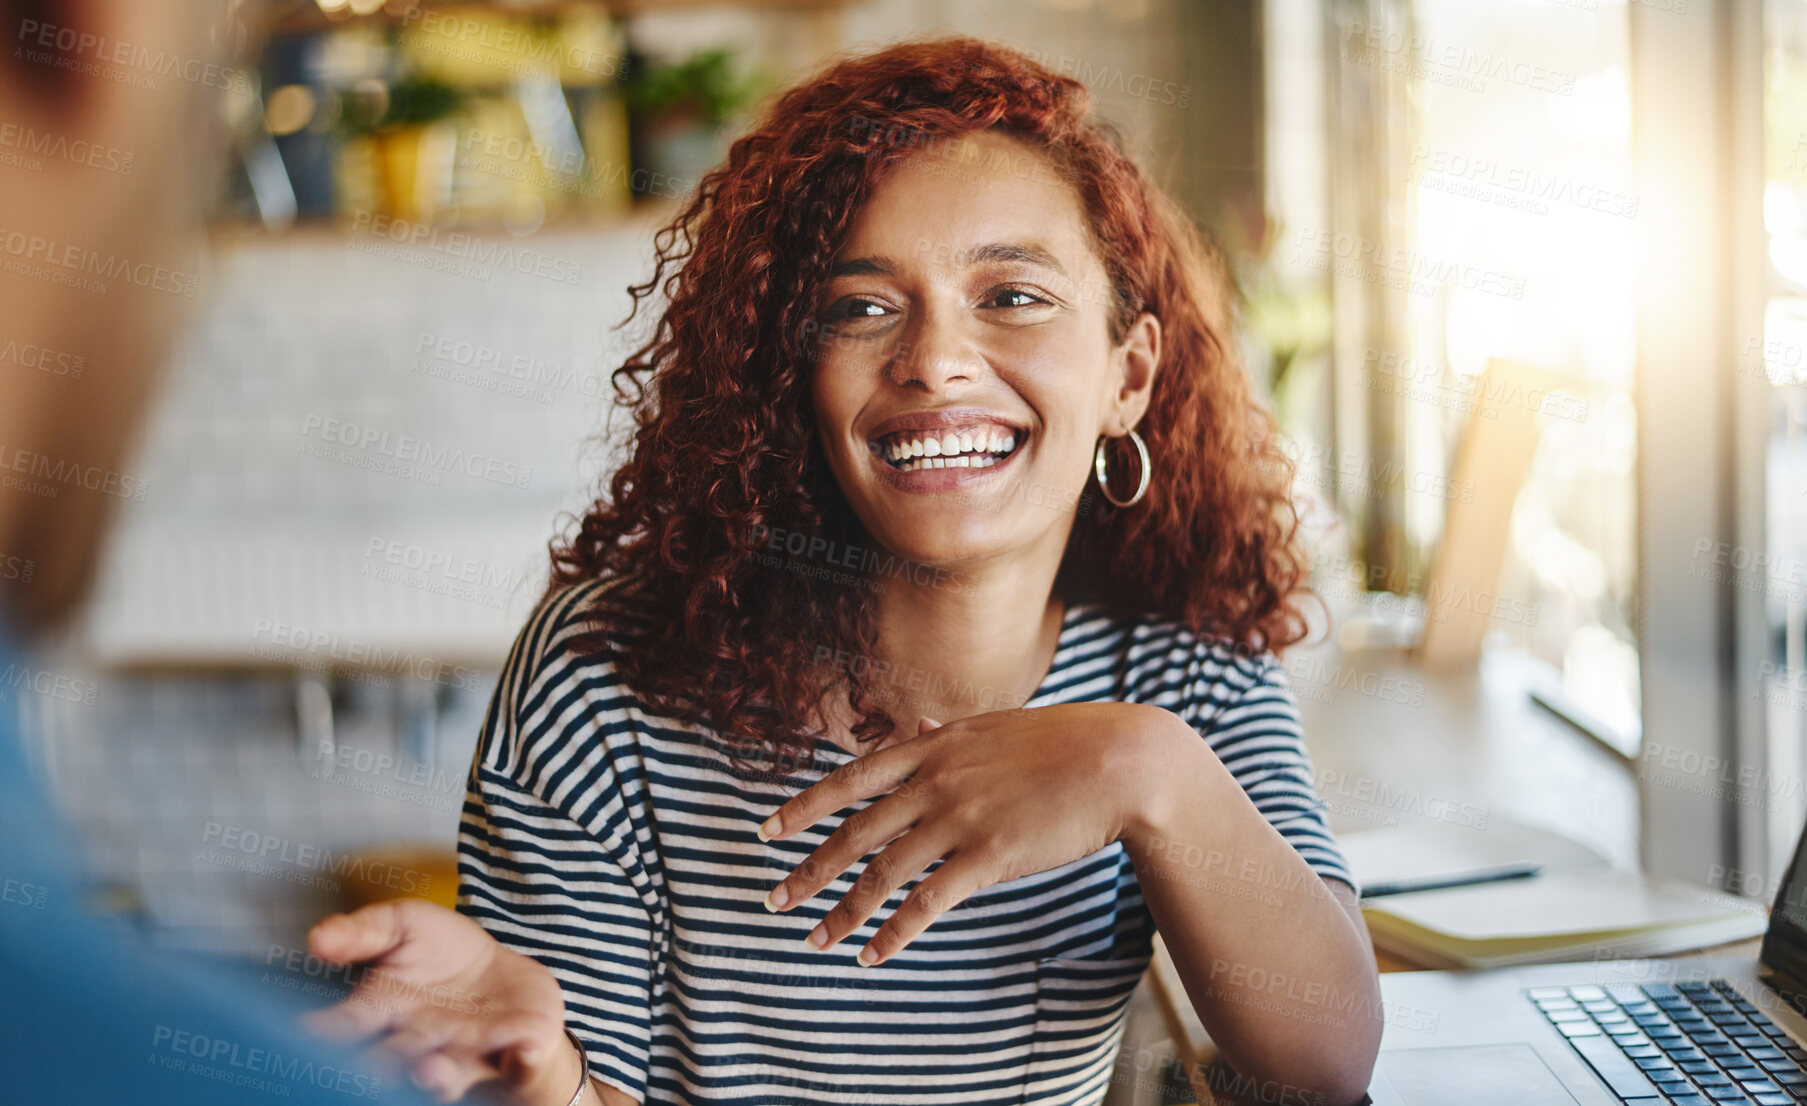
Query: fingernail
x=776 y=898
x=867 y=957
x=818 y=936
x=769 y=828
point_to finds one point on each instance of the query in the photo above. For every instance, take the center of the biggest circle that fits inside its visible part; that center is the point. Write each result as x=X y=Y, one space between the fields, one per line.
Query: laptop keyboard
x=1697 y=1044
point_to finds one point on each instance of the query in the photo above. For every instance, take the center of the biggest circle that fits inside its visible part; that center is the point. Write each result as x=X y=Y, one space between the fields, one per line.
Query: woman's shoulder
x=1206 y=678
x=560 y=667
x=572 y=622
x=1164 y=646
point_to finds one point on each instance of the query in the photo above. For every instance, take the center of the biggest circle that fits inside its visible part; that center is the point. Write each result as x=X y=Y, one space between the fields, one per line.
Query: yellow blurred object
x=501 y=169
x=477 y=46
x=289 y=109
x=427 y=872
x=608 y=170
x=415 y=164
x=499 y=166
x=592 y=51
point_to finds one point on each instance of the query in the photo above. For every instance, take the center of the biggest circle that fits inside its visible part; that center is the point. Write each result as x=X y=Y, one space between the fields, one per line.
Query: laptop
x=1696 y=1031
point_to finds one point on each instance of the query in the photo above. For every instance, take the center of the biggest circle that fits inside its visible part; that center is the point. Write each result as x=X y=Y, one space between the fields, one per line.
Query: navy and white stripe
x=618 y=847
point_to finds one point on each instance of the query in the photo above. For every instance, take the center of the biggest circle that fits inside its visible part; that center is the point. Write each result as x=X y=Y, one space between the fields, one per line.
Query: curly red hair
x=724 y=450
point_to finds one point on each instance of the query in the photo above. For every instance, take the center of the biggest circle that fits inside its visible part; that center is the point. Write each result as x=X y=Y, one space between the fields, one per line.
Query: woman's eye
x=855 y=315
x=1013 y=297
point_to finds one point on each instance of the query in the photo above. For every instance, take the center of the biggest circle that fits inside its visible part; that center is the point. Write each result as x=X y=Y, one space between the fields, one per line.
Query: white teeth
x=976 y=461
x=970 y=448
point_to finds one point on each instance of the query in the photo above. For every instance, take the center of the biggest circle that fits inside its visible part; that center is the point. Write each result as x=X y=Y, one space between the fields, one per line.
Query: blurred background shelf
x=502 y=117
x=313 y=15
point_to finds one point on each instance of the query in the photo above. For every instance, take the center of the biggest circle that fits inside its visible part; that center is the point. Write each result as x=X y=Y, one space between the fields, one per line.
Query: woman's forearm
x=1278 y=967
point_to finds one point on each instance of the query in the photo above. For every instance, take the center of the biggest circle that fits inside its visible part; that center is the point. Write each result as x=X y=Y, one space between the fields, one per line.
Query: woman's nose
x=935 y=353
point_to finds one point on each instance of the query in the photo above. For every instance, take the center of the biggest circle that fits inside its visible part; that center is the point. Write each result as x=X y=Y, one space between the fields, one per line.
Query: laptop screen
x=1785 y=943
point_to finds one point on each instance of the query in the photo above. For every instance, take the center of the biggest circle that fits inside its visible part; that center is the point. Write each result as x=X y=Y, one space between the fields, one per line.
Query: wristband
x=583 y=1064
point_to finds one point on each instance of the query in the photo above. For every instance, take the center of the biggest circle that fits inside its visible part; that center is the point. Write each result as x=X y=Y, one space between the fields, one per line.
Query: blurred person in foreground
x=107 y=155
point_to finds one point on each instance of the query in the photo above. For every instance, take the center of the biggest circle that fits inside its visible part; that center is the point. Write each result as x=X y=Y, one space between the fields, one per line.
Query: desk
x=1394 y=745
x=1192 y=1048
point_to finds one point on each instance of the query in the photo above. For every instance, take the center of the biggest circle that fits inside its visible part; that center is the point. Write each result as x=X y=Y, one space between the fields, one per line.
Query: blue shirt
x=91 y=1014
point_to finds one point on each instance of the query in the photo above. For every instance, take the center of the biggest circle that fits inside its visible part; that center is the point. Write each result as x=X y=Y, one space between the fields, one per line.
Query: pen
x=1439 y=883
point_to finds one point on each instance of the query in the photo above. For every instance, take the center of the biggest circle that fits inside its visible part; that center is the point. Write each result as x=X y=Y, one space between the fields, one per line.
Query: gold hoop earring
x=1135 y=439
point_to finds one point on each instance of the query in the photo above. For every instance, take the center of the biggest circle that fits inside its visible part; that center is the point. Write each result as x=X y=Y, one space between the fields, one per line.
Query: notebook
x=1579 y=907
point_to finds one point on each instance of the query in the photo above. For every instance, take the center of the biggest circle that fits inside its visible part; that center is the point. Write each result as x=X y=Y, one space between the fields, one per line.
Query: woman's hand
x=449 y=1002
x=998 y=796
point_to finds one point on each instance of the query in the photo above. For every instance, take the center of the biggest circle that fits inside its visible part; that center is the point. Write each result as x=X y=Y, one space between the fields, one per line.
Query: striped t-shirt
x=617 y=847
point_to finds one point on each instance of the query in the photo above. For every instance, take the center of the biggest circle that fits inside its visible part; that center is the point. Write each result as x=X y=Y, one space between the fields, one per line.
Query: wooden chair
x=1493 y=458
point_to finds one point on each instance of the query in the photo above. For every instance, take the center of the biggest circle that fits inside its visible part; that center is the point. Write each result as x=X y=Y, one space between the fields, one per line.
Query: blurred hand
x=445 y=1000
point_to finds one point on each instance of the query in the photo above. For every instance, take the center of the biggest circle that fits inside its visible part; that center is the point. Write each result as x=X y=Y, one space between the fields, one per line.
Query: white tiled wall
x=477 y=391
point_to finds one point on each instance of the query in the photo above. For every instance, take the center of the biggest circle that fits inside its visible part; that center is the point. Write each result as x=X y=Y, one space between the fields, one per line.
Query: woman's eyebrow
x=1027 y=252
x=991 y=253
x=862 y=266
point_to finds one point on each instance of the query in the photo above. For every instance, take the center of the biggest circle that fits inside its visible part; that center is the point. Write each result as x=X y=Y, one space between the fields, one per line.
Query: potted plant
x=678 y=110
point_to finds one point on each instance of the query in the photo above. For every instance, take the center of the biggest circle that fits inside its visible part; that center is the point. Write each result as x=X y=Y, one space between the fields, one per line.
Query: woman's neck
x=972 y=643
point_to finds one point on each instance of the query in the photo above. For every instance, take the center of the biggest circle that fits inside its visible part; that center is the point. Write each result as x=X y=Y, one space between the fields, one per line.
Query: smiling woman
x=904 y=325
